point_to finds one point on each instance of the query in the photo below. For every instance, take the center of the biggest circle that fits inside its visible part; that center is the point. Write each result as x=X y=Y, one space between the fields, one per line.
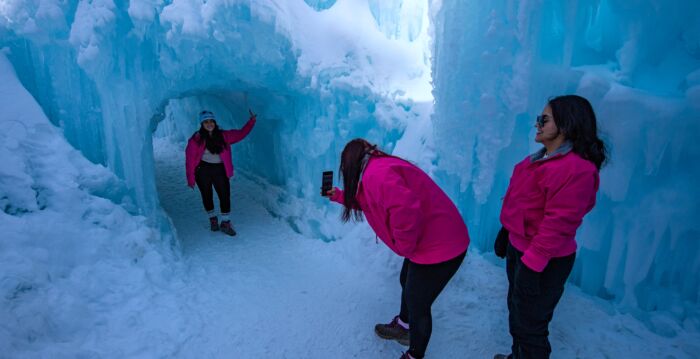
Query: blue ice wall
x=400 y=19
x=496 y=64
x=320 y=4
x=107 y=72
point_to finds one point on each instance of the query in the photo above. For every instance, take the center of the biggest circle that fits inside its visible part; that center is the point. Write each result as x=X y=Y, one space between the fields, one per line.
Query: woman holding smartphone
x=208 y=164
x=549 y=193
x=416 y=220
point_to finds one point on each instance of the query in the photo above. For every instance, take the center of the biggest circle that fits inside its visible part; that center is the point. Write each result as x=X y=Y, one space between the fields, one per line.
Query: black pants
x=421 y=284
x=532 y=298
x=213 y=174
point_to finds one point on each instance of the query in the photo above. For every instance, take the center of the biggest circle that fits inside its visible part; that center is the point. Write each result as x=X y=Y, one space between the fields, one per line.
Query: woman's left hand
x=330 y=193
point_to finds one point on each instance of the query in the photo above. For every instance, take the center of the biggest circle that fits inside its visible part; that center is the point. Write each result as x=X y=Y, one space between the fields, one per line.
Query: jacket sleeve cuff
x=534 y=261
x=338 y=196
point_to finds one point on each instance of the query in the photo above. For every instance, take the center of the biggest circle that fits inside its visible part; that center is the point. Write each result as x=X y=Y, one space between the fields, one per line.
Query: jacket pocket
x=519 y=222
x=532 y=218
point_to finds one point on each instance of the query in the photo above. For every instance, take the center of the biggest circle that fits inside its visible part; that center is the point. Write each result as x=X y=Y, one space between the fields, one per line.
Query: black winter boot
x=393 y=331
x=227 y=228
x=214 y=222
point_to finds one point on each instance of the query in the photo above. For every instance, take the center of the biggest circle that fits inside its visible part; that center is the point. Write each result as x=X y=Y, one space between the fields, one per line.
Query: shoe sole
x=403 y=342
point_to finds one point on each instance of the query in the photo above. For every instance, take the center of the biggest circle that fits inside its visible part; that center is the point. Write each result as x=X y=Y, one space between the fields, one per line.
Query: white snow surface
x=272 y=292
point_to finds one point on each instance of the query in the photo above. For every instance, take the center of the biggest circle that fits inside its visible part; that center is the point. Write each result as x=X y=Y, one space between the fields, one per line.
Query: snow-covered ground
x=270 y=292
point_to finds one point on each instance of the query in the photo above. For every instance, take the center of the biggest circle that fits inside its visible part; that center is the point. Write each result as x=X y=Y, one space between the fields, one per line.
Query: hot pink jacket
x=545 y=204
x=195 y=150
x=409 y=212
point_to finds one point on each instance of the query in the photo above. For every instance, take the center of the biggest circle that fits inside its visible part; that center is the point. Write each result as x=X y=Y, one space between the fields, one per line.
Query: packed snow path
x=270 y=292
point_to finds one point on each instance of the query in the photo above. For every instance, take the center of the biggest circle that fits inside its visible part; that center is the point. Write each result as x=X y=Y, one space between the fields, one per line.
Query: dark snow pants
x=213 y=174
x=532 y=298
x=421 y=284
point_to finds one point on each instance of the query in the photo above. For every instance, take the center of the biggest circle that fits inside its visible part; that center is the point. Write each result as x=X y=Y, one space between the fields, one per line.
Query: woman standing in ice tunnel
x=549 y=193
x=208 y=164
x=417 y=220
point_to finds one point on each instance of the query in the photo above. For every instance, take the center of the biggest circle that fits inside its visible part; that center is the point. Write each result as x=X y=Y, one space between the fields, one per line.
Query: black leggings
x=421 y=284
x=532 y=297
x=208 y=174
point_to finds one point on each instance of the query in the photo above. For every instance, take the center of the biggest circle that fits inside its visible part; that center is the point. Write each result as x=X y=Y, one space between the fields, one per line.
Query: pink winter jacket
x=195 y=150
x=409 y=212
x=545 y=204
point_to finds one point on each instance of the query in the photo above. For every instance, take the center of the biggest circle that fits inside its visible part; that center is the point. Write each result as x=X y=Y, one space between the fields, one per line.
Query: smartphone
x=326 y=182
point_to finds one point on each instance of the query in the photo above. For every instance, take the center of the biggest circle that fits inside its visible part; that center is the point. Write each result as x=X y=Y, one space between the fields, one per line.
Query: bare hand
x=330 y=193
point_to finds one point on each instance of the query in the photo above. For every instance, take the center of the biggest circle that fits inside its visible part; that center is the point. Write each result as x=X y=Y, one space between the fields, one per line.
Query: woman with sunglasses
x=416 y=219
x=208 y=164
x=549 y=193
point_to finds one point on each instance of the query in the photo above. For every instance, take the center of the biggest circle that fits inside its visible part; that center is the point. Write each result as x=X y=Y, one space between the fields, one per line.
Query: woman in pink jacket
x=549 y=193
x=208 y=163
x=417 y=220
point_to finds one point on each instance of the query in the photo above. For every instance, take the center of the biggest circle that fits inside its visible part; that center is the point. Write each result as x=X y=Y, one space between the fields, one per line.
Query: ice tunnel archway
x=259 y=154
x=315 y=89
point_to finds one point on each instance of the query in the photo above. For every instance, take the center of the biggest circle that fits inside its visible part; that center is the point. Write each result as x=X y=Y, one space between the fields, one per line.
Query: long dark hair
x=351 y=161
x=574 y=116
x=214 y=142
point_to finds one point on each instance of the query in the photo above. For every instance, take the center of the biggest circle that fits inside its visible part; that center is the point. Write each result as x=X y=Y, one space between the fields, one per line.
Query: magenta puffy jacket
x=195 y=150
x=545 y=204
x=409 y=212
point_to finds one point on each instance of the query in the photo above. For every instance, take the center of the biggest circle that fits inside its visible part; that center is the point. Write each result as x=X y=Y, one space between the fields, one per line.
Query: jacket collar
x=565 y=148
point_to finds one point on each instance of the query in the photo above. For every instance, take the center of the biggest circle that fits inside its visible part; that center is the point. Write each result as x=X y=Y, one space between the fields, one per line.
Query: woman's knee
x=419 y=308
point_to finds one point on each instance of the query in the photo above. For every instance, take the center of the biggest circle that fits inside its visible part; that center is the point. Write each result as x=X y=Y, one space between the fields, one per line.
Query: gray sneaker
x=393 y=331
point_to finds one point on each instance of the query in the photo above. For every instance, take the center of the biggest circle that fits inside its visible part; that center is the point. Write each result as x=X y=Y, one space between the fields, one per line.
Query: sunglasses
x=541 y=120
